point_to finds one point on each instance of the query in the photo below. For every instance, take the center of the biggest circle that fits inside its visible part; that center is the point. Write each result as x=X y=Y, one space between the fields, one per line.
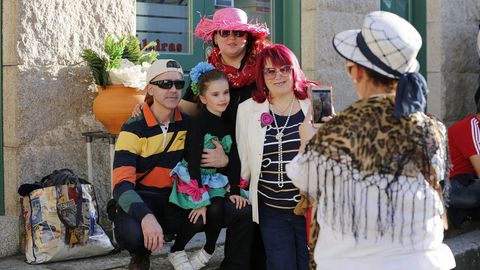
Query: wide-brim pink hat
x=229 y=19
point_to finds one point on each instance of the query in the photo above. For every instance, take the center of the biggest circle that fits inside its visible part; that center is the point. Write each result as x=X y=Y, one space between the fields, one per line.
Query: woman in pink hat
x=237 y=44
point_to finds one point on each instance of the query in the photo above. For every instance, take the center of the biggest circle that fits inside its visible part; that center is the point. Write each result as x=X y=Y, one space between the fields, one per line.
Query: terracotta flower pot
x=114 y=105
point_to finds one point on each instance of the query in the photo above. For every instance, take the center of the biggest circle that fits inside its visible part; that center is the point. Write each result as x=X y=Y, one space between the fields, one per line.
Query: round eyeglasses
x=270 y=73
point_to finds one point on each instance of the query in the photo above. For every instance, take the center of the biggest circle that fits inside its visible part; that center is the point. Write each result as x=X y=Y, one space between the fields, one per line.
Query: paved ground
x=110 y=262
x=464 y=242
x=116 y=261
x=465 y=245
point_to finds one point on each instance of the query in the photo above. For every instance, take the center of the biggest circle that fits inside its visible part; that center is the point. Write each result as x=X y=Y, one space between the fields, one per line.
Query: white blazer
x=250 y=138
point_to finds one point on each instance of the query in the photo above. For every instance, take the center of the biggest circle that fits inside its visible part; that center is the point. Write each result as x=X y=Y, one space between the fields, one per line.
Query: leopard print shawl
x=367 y=148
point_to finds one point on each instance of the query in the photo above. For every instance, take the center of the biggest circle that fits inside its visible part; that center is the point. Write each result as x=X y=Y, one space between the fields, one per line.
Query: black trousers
x=462 y=197
x=173 y=219
x=243 y=244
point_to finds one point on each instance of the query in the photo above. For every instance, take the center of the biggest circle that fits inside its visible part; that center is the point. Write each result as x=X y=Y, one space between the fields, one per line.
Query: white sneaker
x=179 y=260
x=200 y=259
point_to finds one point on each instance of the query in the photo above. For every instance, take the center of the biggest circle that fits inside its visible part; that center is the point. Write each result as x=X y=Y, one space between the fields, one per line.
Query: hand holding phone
x=321 y=102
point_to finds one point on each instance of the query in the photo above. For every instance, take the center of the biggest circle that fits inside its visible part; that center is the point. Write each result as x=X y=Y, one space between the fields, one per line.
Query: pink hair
x=280 y=55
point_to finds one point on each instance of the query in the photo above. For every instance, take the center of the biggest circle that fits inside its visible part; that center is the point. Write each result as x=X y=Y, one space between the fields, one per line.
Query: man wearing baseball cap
x=148 y=147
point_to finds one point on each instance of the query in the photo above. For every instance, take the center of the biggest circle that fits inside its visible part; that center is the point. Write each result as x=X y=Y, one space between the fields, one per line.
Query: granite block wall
x=452 y=59
x=320 y=21
x=46 y=95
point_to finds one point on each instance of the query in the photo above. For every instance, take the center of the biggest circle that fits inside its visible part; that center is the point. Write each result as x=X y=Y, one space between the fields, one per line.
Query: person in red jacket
x=462 y=192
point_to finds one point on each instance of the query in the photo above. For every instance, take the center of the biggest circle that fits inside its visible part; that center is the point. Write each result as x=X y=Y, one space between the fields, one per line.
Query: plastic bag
x=61 y=219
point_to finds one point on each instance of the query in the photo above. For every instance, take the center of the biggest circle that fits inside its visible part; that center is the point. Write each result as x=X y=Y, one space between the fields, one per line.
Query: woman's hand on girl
x=214 y=158
x=137 y=110
x=196 y=213
x=239 y=201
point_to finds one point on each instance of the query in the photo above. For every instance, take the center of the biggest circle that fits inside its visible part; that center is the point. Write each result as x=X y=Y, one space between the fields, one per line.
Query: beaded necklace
x=279 y=138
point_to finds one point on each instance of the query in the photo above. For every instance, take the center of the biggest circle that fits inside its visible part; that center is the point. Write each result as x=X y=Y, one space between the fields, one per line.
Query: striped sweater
x=140 y=144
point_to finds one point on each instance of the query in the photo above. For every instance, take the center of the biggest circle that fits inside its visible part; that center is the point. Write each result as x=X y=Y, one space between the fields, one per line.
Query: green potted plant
x=119 y=73
x=116 y=50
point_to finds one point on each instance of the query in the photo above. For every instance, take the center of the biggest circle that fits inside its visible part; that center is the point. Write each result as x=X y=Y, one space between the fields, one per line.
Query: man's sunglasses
x=226 y=33
x=167 y=84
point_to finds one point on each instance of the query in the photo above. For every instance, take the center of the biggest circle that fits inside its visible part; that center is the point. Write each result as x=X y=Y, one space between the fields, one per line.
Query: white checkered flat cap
x=387 y=44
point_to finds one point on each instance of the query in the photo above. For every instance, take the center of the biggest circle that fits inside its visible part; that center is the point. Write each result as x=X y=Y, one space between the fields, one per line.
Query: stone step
x=465 y=247
x=118 y=261
x=110 y=262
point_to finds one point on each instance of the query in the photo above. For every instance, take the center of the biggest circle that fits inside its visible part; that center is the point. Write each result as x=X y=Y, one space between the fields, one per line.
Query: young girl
x=203 y=189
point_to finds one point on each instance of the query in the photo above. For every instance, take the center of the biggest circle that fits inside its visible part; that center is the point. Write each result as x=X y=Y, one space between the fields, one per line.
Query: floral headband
x=200 y=69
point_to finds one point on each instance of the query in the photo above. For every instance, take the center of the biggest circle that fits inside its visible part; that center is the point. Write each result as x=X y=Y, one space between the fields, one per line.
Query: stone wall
x=320 y=21
x=453 y=63
x=46 y=96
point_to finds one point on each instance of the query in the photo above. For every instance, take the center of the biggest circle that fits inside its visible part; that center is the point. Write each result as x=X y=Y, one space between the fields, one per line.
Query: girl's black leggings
x=212 y=228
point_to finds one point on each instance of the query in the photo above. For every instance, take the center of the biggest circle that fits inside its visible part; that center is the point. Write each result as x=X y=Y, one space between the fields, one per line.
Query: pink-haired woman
x=267 y=139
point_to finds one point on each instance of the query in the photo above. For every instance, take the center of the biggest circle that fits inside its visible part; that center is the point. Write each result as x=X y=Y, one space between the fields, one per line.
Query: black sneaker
x=139 y=262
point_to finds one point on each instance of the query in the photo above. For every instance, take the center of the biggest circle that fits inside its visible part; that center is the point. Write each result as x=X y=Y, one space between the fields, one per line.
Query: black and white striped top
x=270 y=194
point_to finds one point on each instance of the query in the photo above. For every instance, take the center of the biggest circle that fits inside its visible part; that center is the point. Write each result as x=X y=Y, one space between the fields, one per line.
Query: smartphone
x=322 y=102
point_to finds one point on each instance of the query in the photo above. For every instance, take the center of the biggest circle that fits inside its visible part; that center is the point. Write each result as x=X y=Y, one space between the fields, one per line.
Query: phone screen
x=322 y=103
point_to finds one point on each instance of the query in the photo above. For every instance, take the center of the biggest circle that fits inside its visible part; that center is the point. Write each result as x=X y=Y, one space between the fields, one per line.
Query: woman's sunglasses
x=270 y=73
x=226 y=33
x=167 y=84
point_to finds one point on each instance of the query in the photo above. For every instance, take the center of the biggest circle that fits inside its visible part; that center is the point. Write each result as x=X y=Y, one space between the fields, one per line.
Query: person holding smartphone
x=267 y=139
x=374 y=169
x=322 y=103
